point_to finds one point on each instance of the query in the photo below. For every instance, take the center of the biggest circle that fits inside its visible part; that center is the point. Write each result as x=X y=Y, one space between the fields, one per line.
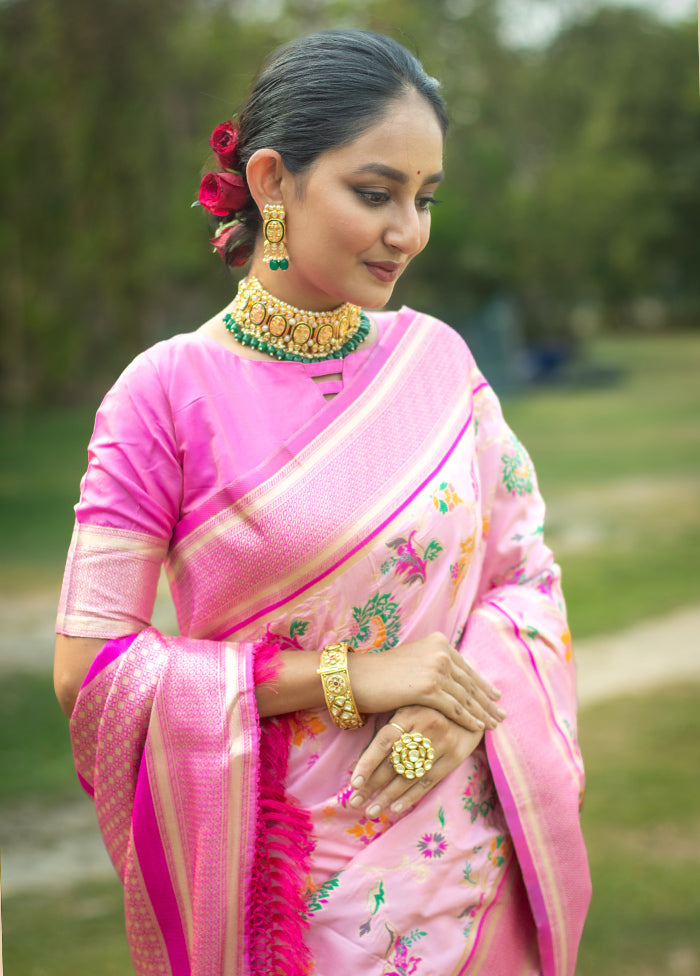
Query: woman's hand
x=378 y=787
x=426 y=672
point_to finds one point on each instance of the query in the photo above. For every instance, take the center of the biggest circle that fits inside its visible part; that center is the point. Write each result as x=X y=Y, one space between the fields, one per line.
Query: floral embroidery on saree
x=378 y=624
x=410 y=565
x=517 y=469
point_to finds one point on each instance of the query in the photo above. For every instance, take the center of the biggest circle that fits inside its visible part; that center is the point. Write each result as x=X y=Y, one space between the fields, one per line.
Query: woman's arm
x=72 y=659
x=426 y=672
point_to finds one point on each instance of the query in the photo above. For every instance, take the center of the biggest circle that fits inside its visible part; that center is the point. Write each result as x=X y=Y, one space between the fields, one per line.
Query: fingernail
x=357 y=782
x=356 y=800
x=374 y=810
x=396 y=807
x=494 y=692
x=479 y=724
x=501 y=714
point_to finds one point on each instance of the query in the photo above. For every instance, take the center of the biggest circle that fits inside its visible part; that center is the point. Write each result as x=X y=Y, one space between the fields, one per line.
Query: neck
x=281 y=284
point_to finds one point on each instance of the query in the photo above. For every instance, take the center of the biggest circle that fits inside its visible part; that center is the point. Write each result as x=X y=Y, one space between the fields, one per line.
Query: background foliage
x=571 y=170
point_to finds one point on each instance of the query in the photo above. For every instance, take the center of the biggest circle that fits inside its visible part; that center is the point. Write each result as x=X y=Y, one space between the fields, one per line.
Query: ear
x=264 y=174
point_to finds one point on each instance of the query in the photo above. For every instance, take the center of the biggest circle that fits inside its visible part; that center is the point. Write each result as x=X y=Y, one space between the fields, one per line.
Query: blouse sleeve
x=129 y=504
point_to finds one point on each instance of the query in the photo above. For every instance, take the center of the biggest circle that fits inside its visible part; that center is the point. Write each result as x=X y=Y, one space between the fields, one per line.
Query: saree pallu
x=404 y=505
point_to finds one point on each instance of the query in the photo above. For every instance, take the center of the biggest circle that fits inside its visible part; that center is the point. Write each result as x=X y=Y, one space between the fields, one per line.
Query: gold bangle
x=335 y=679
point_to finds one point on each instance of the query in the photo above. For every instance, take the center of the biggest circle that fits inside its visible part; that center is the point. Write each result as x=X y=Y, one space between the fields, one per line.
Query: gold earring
x=275 y=232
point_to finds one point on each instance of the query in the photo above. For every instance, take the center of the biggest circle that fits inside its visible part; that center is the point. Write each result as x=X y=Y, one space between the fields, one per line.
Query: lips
x=385 y=271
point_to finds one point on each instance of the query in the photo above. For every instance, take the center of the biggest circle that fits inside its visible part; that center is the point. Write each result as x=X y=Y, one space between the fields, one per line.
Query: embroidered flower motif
x=459 y=569
x=305 y=725
x=478 y=797
x=343 y=797
x=499 y=850
x=404 y=965
x=378 y=624
x=471 y=917
x=366 y=830
x=432 y=845
x=517 y=469
x=566 y=641
x=316 y=896
x=409 y=563
x=446 y=499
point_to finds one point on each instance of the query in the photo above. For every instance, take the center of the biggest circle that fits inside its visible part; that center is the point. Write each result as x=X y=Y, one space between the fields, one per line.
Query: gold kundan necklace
x=261 y=321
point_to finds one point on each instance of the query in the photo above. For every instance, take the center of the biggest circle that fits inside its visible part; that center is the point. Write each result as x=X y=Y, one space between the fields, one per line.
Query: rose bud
x=223 y=141
x=228 y=236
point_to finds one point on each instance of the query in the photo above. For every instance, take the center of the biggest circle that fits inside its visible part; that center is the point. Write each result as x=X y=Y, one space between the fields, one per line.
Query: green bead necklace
x=259 y=320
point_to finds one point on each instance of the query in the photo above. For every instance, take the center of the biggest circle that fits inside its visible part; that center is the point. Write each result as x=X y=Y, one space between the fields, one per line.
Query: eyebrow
x=395 y=174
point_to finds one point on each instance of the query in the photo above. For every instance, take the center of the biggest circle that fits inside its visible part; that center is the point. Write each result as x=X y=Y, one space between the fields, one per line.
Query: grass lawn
x=642 y=825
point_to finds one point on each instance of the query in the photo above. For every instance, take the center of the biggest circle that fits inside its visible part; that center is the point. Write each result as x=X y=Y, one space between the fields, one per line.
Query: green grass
x=645 y=424
x=44 y=456
x=642 y=827
x=75 y=932
x=36 y=756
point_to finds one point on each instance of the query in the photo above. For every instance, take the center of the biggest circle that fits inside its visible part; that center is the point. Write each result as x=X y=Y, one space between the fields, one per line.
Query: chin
x=375 y=296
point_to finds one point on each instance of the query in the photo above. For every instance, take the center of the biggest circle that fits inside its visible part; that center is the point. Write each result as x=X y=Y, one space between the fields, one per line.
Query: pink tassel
x=283 y=849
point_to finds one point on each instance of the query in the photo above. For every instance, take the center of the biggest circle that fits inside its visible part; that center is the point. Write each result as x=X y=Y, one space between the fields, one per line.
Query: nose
x=404 y=231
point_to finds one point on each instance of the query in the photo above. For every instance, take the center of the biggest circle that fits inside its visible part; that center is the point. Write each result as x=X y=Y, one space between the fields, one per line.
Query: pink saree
x=402 y=506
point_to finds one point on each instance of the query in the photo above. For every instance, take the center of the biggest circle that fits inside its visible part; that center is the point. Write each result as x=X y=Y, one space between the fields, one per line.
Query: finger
x=373 y=769
x=482 y=708
x=481 y=683
x=401 y=794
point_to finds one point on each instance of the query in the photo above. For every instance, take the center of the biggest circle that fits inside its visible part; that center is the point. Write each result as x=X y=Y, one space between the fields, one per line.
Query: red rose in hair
x=221 y=193
x=239 y=253
x=223 y=141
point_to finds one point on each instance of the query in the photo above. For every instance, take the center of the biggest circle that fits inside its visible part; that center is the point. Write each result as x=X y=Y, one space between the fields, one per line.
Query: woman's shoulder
x=167 y=361
x=439 y=335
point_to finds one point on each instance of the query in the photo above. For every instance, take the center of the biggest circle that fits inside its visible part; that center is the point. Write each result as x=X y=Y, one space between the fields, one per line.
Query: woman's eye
x=373 y=197
x=425 y=203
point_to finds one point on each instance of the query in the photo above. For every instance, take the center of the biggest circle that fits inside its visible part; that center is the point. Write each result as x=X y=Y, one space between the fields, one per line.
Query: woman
x=319 y=775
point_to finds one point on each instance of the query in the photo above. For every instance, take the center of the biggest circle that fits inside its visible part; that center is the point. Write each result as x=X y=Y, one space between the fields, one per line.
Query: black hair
x=320 y=92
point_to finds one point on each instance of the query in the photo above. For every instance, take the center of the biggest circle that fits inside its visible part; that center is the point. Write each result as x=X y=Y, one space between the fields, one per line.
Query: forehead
x=406 y=137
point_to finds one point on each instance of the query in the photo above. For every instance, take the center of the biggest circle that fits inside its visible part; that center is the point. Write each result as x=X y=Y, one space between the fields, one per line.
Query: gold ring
x=412 y=755
x=397 y=726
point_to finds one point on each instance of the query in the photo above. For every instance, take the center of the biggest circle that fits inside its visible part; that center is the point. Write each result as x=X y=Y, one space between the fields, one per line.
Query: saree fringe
x=282 y=851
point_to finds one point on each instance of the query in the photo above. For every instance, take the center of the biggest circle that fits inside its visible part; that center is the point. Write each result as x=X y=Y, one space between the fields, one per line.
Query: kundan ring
x=412 y=755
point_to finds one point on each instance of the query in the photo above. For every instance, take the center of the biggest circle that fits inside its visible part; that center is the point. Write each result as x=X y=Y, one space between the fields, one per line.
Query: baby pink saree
x=402 y=506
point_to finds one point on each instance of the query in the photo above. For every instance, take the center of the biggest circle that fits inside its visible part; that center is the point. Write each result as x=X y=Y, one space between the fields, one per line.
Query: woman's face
x=359 y=215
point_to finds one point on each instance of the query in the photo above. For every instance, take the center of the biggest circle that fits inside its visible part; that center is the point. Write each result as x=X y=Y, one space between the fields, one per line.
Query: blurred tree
x=571 y=169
